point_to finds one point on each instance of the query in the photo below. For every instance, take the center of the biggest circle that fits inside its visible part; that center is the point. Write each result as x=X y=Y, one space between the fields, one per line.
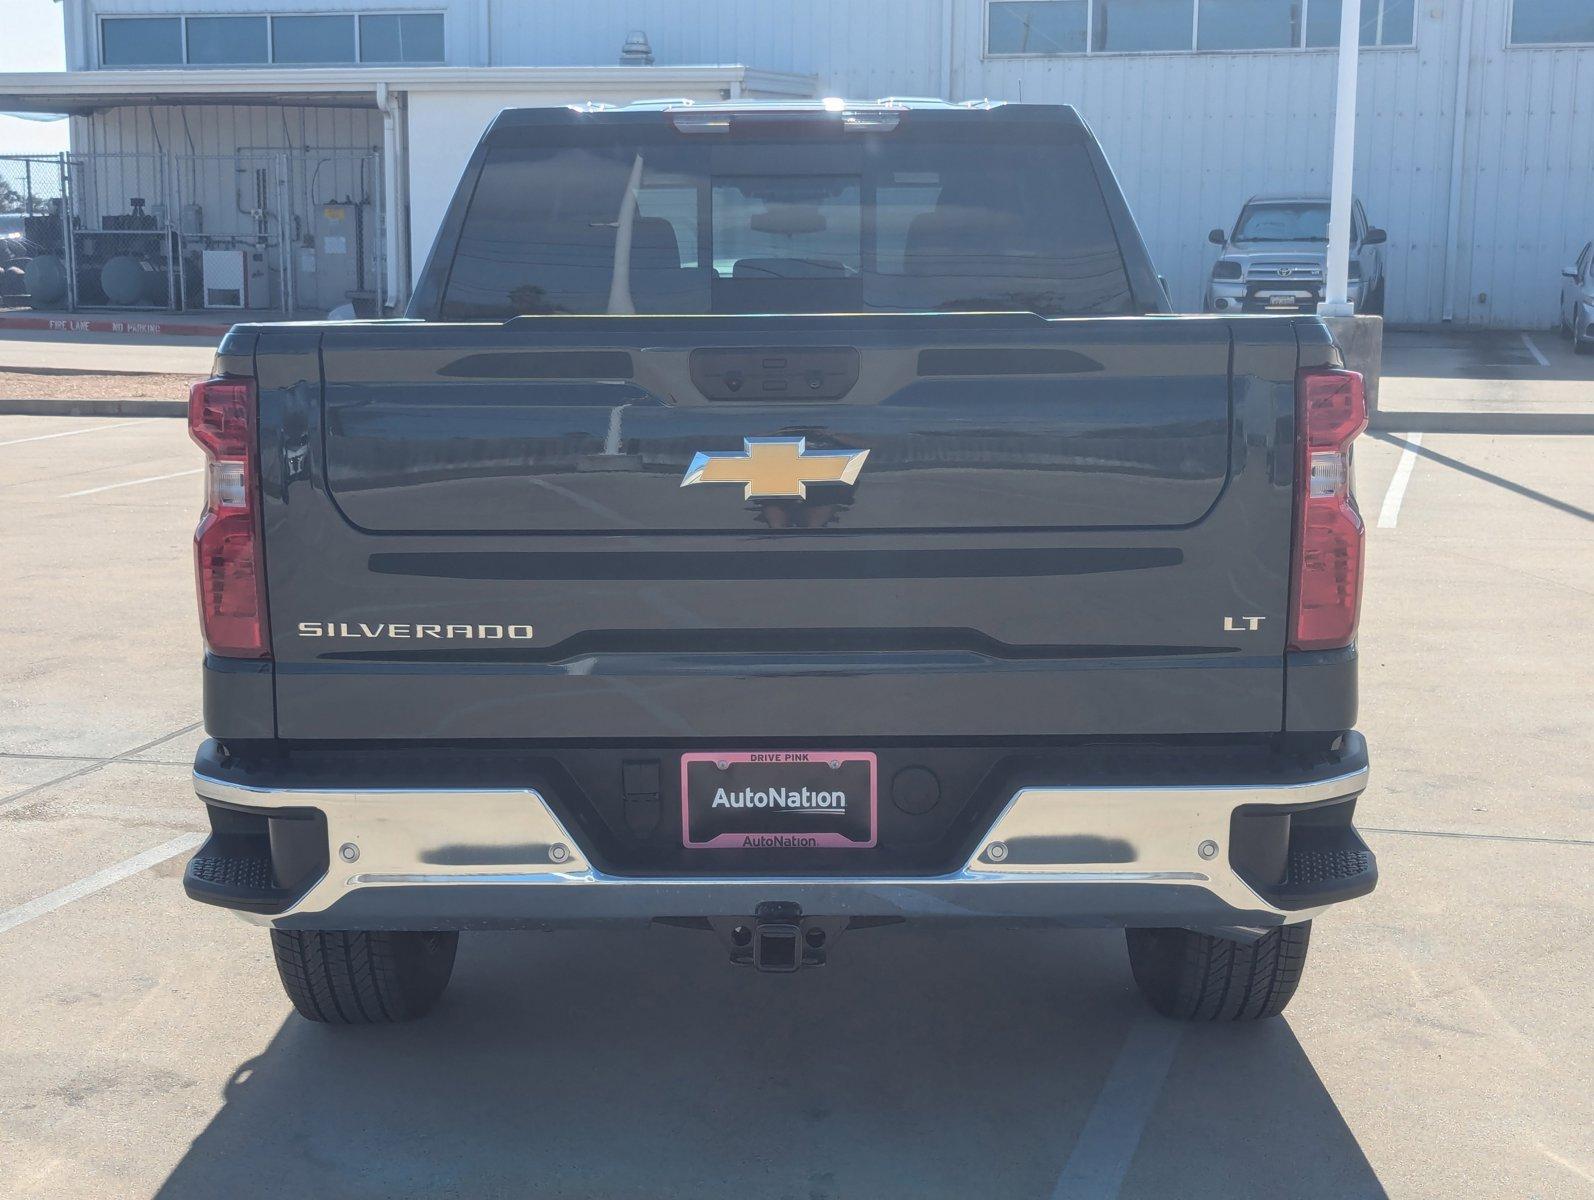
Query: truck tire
x=1199 y=977
x=363 y=978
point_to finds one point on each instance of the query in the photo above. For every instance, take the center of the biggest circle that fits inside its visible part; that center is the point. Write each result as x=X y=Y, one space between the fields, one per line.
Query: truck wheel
x=361 y=978
x=1198 y=977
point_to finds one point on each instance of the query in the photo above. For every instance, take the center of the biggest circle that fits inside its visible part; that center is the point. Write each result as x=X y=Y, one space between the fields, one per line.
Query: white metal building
x=1475 y=136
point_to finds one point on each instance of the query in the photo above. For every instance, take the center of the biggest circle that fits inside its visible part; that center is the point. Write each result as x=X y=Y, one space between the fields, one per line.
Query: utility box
x=235 y=279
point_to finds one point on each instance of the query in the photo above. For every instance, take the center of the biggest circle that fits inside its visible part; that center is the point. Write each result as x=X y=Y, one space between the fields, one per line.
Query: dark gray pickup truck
x=782 y=521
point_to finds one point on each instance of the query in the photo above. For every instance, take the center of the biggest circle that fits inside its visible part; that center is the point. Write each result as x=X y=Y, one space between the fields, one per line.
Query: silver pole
x=68 y=240
x=1336 y=300
x=1458 y=151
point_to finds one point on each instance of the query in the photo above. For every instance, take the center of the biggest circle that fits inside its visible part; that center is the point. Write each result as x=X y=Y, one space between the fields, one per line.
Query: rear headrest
x=654 y=244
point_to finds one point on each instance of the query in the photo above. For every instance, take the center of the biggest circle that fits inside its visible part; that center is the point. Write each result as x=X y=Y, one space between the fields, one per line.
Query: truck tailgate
x=1054 y=527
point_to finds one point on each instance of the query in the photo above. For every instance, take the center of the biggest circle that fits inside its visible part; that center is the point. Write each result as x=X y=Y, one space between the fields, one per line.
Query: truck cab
x=782 y=522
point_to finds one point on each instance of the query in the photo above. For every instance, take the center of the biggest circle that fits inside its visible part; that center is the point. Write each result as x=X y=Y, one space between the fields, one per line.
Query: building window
x=1551 y=22
x=227 y=41
x=312 y=39
x=401 y=38
x=304 y=40
x=1037 y=27
x=1390 y=23
x=141 y=42
x=1249 y=24
x=1121 y=25
x=1042 y=27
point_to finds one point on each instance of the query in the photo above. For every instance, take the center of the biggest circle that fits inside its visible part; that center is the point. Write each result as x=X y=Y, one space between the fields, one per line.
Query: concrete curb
x=93 y=408
x=114 y=325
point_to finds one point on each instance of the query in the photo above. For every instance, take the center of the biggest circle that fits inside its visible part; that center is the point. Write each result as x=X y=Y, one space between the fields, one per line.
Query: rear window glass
x=857 y=223
x=1283 y=223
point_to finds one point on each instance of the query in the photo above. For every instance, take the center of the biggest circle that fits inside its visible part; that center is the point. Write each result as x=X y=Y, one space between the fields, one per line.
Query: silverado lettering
x=343 y=629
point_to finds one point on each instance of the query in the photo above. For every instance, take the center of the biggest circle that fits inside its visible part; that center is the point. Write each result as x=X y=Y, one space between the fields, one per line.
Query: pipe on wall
x=1336 y=302
x=1458 y=154
x=948 y=49
x=391 y=210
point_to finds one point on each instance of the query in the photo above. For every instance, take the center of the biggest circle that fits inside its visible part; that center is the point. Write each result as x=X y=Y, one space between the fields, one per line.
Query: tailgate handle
x=775 y=373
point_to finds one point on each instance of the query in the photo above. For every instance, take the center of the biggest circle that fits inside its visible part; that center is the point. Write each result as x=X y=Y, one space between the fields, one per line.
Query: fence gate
x=121 y=251
x=337 y=229
x=231 y=232
x=33 y=254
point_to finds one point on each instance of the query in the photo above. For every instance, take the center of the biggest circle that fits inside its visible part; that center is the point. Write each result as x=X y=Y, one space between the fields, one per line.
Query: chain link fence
x=32 y=202
x=258 y=232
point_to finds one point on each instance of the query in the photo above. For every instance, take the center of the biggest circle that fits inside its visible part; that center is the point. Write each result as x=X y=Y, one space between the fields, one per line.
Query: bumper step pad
x=1326 y=864
x=1313 y=869
x=244 y=873
x=256 y=861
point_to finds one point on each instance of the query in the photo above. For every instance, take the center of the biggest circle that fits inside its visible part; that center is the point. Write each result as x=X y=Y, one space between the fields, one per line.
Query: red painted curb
x=113 y=325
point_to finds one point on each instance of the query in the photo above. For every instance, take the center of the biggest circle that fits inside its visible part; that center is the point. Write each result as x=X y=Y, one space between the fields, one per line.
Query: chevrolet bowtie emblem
x=775 y=468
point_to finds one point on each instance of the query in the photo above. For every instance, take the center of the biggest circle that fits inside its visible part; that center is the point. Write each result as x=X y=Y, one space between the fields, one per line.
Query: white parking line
x=1538 y=354
x=1390 y=513
x=44 y=437
x=1100 y=1159
x=131 y=483
x=98 y=881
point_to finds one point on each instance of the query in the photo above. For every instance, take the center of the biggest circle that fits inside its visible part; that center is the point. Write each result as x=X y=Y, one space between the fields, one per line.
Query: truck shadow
x=1474 y=354
x=636 y=1063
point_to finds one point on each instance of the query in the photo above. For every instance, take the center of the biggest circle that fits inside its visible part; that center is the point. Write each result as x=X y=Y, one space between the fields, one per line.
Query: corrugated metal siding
x=1190 y=135
x=1528 y=196
x=865 y=47
x=222 y=128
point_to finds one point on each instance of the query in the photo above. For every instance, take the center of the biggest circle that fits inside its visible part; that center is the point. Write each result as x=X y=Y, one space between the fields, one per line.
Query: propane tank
x=130 y=281
x=46 y=276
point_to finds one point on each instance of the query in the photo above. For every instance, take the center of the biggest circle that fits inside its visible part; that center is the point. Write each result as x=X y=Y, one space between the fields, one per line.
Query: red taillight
x=227 y=562
x=1326 y=581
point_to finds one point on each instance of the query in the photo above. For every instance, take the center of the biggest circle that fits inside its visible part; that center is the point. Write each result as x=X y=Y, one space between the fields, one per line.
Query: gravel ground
x=57 y=385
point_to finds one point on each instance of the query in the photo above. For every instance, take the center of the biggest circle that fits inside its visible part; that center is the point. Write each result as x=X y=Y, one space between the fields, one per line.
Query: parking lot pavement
x=1439 y=1046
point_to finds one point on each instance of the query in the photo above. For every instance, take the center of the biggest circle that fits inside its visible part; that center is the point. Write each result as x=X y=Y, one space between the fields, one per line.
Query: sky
x=31 y=40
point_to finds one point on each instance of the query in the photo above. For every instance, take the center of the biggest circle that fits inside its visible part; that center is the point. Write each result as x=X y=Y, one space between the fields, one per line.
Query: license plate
x=779 y=800
x=1285 y=299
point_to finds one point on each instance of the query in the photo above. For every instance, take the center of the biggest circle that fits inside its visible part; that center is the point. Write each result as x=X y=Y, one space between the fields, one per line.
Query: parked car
x=1275 y=258
x=780 y=522
x=1577 y=301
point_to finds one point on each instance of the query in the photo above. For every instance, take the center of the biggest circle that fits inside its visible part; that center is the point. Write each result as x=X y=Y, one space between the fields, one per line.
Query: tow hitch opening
x=778 y=938
x=777 y=946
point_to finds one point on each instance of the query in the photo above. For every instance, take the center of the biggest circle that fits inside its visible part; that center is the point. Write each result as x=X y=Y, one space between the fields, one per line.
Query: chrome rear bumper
x=1115 y=856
